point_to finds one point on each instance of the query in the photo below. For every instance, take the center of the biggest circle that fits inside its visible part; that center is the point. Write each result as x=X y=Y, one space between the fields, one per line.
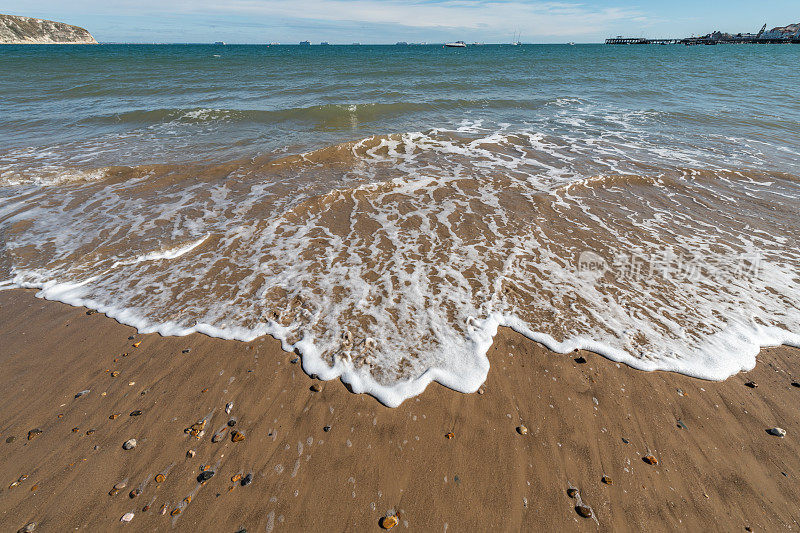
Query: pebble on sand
x=127 y=517
x=129 y=444
x=32 y=434
x=522 y=430
x=572 y=492
x=778 y=432
x=27 y=528
x=315 y=387
x=583 y=511
x=190 y=454
x=229 y=407
x=237 y=436
x=246 y=480
x=388 y=522
x=450 y=435
x=751 y=384
x=160 y=478
x=607 y=480
x=650 y=459
x=205 y=476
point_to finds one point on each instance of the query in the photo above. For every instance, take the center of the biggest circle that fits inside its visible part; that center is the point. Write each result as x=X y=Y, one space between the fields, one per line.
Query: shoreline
x=718 y=468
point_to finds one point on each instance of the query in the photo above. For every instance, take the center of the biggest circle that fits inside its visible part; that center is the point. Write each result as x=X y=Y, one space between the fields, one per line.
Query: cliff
x=26 y=30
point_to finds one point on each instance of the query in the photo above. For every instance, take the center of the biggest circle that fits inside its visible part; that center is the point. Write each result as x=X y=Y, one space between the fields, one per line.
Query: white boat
x=457 y=44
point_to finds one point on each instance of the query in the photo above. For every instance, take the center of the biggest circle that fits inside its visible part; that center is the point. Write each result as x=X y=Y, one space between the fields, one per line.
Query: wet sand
x=718 y=469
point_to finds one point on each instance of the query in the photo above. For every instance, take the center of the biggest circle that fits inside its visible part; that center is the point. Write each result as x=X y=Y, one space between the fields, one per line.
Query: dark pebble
x=626 y=441
x=82 y=393
x=187 y=350
x=11 y=439
x=231 y=422
x=134 y=493
x=326 y=428
x=315 y=387
x=243 y=530
x=32 y=434
x=583 y=511
x=295 y=360
x=751 y=384
x=572 y=492
x=580 y=360
x=131 y=338
x=796 y=384
x=205 y=476
x=136 y=412
x=246 y=480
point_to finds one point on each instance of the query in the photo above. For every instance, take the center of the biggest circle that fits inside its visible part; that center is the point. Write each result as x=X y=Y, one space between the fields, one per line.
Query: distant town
x=780 y=35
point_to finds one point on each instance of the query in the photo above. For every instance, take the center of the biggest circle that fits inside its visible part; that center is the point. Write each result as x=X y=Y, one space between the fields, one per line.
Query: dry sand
x=722 y=471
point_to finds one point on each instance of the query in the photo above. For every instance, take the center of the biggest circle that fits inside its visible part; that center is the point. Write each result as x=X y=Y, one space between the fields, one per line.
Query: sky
x=389 y=21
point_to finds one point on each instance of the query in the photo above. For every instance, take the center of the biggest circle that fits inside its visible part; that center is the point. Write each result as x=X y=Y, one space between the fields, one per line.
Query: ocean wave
x=391 y=261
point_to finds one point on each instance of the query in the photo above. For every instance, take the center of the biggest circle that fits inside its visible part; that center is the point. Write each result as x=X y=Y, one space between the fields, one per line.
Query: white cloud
x=492 y=16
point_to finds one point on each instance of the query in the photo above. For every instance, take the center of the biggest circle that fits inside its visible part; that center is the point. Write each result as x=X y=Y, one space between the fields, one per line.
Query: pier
x=783 y=35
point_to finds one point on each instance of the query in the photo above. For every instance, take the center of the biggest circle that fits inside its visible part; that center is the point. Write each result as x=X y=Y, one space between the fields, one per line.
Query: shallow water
x=384 y=209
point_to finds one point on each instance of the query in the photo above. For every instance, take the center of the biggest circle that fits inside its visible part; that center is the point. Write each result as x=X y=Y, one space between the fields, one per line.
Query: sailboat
x=516 y=41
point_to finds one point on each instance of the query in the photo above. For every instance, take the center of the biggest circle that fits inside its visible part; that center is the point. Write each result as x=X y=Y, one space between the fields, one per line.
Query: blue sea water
x=384 y=209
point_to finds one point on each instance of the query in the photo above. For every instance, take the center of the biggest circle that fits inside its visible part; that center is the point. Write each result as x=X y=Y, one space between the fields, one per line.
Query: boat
x=571 y=43
x=219 y=43
x=457 y=44
x=516 y=41
x=324 y=43
x=305 y=43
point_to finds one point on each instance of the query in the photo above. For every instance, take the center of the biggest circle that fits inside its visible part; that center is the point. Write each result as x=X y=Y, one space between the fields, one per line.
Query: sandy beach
x=333 y=460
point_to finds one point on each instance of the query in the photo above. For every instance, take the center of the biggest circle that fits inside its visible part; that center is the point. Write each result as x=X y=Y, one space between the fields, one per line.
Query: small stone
x=583 y=511
x=163 y=509
x=129 y=444
x=137 y=412
x=246 y=480
x=796 y=384
x=580 y=360
x=481 y=391
x=190 y=454
x=33 y=489
x=205 y=476
x=75 y=429
x=572 y=492
x=187 y=350
x=121 y=485
x=113 y=416
x=326 y=429
x=450 y=435
x=231 y=422
x=522 y=430
x=237 y=436
x=127 y=517
x=388 y=522
x=751 y=384
x=778 y=432
x=236 y=478
x=315 y=387
x=626 y=441
x=218 y=436
x=176 y=511
x=682 y=425
x=11 y=439
x=295 y=360
x=607 y=480
x=89 y=432
x=229 y=407
x=27 y=528
x=161 y=478
x=22 y=478
x=134 y=493
x=83 y=393
x=32 y=434
x=649 y=459
x=115 y=373
x=136 y=344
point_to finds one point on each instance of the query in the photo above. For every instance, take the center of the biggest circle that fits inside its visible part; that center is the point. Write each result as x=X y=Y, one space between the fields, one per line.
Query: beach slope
x=76 y=386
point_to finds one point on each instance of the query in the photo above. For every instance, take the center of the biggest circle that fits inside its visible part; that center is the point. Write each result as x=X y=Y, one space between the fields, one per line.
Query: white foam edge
x=742 y=344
